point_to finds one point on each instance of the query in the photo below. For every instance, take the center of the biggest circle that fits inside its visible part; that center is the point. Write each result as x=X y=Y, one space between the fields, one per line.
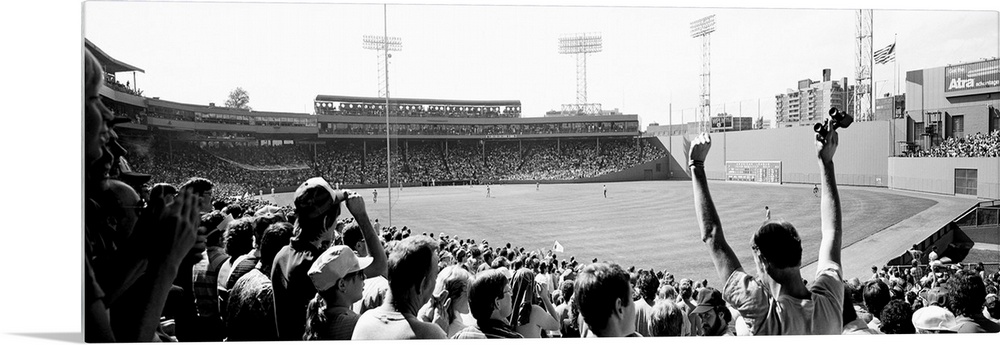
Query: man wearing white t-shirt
x=778 y=302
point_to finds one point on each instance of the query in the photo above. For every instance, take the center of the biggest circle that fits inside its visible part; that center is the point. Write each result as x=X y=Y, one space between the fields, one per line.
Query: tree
x=239 y=99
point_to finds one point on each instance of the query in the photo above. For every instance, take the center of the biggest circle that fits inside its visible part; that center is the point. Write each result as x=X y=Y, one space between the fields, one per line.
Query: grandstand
x=447 y=142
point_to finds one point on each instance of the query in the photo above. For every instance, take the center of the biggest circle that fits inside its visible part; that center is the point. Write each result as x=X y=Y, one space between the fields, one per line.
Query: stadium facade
x=360 y=123
x=951 y=101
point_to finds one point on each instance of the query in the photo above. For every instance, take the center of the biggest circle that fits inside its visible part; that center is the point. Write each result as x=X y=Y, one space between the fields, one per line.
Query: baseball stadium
x=594 y=186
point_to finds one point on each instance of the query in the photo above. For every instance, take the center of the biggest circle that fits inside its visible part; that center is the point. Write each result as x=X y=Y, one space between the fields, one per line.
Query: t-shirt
x=340 y=322
x=250 y=309
x=767 y=314
x=292 y=287
x=857 y=327
x=373 y=294
x=975 y=324
x=643 y=315
x=383 y=323
x=488 y=329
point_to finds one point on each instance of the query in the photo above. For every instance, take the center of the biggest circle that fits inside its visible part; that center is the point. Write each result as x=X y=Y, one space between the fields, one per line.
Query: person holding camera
x=779 y=302
x=317 y=207
x=533 y=310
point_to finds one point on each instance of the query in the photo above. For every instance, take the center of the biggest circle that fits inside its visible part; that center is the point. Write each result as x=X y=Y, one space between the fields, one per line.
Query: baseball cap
x=933 y=318
x=335 y=263
x=314 y=198
x=708 y=298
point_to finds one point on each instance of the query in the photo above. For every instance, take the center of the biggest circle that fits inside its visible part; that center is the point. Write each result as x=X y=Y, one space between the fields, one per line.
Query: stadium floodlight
x=581 y=44
x=383 y=45
x=703 y=28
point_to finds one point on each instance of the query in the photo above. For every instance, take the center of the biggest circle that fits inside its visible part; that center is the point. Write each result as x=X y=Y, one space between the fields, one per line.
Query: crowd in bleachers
x=492 y=129
x=244 y=169
x=970 y=145
x=113 y=84
x=416 y=110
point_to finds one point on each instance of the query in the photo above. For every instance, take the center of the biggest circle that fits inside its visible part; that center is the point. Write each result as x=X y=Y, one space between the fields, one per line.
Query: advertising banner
x=972 y=78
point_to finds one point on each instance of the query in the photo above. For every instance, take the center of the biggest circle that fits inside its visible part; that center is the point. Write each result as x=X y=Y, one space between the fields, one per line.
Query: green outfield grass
x=648 y=224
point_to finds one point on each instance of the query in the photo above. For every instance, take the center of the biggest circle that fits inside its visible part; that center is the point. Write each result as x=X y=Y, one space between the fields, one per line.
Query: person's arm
x=544 y=319
x=543 y=292
x=830 y=216
x=708 y=219
x=175 y=236
x=379 y=265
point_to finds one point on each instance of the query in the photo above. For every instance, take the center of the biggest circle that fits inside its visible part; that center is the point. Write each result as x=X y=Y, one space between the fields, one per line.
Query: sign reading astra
x=972 y=76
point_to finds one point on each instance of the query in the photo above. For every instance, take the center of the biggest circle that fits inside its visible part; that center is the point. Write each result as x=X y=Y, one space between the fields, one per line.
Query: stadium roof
x=110 y=64
x=326 y=98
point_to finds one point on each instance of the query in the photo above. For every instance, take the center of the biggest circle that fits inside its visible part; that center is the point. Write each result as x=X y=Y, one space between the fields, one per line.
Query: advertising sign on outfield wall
x=972 y=78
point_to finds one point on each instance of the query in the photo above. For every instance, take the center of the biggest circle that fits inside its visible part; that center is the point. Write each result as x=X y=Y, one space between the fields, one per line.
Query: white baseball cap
x=335 y=263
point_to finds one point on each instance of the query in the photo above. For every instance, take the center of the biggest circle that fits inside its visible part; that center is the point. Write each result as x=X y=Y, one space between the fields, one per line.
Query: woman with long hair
x=533 y=311
x=454 y=282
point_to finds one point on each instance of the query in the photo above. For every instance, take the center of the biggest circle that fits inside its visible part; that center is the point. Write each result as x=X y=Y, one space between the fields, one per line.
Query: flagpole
x=894 y=95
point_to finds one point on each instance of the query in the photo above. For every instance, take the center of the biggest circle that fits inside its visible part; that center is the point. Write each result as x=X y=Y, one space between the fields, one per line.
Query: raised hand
x=700 y=146
x=355 y=203
x=826 y=146
x=176 y=230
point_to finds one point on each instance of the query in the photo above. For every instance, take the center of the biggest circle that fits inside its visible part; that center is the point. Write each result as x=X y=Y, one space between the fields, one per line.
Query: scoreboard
x=754 y=171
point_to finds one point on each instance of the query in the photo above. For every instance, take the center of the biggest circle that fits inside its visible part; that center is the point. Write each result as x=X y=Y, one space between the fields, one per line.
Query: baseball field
x=647 y=224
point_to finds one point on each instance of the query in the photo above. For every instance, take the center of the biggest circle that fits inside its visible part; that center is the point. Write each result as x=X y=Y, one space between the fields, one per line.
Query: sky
x=284 y=54
x=648 y=60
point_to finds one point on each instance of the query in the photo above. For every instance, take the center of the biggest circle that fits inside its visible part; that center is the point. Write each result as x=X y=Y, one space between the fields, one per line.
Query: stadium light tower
x=703 y=28
x=862 y=97
x=383 y=45
x=581 y=44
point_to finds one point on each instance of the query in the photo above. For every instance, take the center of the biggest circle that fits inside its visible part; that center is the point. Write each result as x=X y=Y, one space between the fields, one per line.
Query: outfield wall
x=861 y=154
x=937 y=174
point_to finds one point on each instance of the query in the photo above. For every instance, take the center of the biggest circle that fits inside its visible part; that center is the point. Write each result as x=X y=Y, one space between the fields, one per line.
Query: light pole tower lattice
x=703 y=28
x=581 y=44
x=383 y=45
x=862 y=97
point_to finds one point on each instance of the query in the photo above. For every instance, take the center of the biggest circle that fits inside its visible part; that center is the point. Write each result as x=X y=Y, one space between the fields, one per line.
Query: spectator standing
x=876 y=297
x=779 y=302
x=647 y=287
x=250 y=307
x=317 y=207
x=491 y=303
x=966 y=297
x=533 y=311
x=712 y=312
x=338 y=275
x=412 y=273
x=897 y=318
x=666 y=319
x=604 y=297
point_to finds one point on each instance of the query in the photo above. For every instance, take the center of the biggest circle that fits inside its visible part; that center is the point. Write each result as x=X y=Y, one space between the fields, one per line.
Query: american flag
x=886 y=54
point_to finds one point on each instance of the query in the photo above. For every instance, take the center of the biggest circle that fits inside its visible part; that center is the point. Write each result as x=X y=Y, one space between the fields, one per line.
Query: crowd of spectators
x=971 y=145
x=113 y=84
x=417 y=110
x=242 y=169
x=485 y=129
x=185 y=263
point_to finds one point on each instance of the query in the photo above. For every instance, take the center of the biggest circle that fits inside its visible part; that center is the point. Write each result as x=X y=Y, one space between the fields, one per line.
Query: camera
x=840 y=120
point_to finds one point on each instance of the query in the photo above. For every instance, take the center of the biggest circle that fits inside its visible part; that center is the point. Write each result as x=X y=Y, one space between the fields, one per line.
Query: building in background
x=890 y=107
x=811 y=101
x=950 y=101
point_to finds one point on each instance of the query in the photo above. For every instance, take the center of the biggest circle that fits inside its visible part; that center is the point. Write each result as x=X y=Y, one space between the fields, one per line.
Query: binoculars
x=840 y=120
